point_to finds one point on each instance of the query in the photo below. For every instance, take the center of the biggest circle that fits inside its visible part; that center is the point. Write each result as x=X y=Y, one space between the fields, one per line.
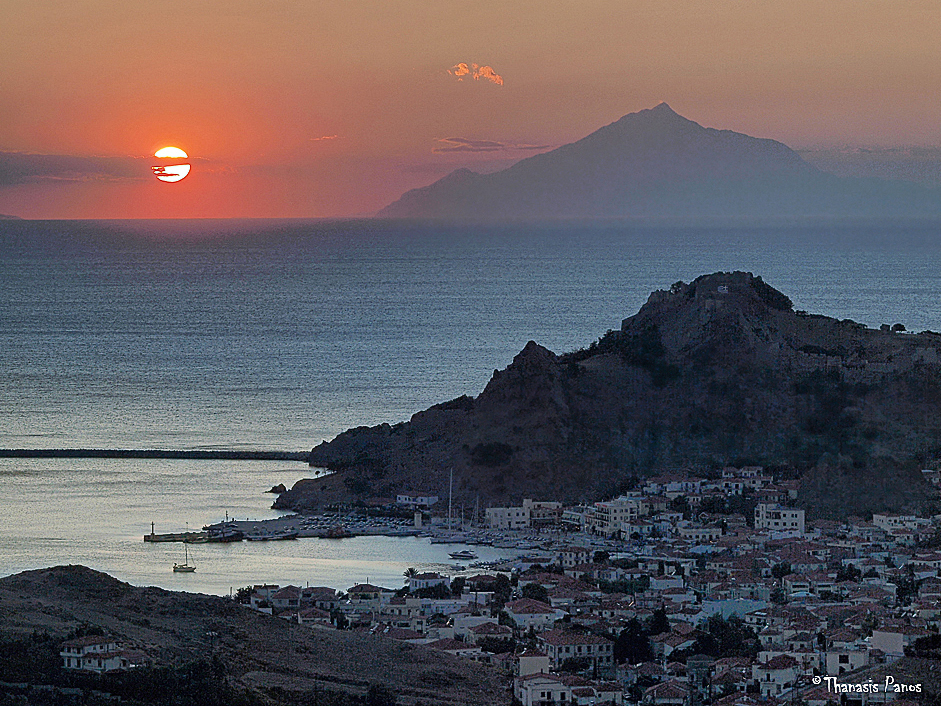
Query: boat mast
x=450 y=489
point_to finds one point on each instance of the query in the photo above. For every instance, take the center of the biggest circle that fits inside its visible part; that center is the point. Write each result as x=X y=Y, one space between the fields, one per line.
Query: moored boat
x=463 y=554
x=185 y=567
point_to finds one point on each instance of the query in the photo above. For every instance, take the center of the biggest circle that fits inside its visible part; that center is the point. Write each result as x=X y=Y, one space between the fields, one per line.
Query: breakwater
x=193 y=454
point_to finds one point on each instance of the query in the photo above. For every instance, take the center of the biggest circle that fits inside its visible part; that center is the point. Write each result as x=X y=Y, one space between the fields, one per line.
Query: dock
x=193 y=454
x=188 y=537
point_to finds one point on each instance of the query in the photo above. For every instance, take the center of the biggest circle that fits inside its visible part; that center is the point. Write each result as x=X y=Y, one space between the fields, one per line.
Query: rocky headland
x=720 y=371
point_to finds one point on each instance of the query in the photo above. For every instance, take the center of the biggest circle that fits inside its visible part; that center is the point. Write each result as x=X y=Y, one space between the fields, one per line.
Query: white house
x=561 y=645
x=427 y=580
x=776 y=676
x=98 y=654
x=771 y=516
x=508 y=517
x=846 y=659
x=538 y=689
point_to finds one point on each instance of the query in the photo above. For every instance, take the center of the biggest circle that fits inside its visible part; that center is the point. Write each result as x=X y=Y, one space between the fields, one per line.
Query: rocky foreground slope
x=262 y=654
x=719 y=371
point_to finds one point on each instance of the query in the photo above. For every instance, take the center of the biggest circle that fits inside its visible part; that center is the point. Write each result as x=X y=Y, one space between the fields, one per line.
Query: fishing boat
x=185 y=567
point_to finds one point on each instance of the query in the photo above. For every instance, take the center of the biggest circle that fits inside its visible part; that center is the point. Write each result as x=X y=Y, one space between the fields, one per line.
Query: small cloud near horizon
x=476 y=72
x=29 y=168
x=325 y=137
x=463 y=144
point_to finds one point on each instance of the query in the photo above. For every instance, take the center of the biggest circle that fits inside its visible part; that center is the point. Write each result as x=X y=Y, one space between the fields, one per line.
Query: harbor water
x=277 y=335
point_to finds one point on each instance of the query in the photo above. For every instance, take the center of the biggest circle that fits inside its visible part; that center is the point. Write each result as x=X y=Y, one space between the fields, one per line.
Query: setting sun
x=171 y=172
x=174 y=152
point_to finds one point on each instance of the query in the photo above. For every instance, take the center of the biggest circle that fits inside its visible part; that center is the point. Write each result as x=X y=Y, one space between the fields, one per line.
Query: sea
x=280 y=334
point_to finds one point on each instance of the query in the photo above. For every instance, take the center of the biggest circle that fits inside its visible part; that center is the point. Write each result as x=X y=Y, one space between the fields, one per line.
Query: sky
x=333 y=109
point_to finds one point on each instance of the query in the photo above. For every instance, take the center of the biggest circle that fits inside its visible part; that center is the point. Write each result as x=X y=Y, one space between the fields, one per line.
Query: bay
x=281 y=334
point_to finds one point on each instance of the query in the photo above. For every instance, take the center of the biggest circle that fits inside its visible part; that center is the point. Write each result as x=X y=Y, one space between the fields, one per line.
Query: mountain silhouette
x=657 y=164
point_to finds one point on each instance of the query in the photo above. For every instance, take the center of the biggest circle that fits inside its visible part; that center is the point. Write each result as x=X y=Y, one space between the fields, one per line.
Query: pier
x=196 y=454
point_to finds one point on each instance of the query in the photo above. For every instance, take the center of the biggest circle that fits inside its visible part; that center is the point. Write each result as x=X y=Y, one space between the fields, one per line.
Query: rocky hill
x=262 y=654
x=658 y=164
x=715 y=372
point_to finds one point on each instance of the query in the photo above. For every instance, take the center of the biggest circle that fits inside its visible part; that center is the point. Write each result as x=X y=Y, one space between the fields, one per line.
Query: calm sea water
x=280 y=334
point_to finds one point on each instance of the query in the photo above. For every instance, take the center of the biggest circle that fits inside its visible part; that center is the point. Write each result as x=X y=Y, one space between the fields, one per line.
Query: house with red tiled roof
x=483 y=631
x=777 y=675
x=586 y=692
x=739 y=699
x=321 y=597
x=100 y=654
x=287 y=598
x=667 y=643
x=455 y=647
x=893 y=639
x=561 y=645
x=538 y=689
x=573 y=555
x=529 y=613
x=531 y=661
x=313 y=616
x=368 y=592
x=668 y=693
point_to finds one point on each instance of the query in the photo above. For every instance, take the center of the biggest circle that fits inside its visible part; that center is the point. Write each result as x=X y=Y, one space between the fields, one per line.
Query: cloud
x=463 y=144
x=28 y=168
x=325 y=137
x=459 y=70
x=488 y=73
x=476 y=72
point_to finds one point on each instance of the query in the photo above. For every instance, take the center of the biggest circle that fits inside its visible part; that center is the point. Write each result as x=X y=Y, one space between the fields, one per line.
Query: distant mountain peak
x=656 y=163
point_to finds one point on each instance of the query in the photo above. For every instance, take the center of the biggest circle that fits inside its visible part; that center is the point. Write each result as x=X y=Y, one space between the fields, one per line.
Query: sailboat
x=185 y=567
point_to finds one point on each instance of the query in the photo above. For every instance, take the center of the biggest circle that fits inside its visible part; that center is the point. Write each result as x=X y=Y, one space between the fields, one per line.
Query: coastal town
x=681 y=591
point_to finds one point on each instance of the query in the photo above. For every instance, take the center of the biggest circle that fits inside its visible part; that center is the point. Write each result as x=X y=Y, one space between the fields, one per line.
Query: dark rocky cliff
x=719 y=371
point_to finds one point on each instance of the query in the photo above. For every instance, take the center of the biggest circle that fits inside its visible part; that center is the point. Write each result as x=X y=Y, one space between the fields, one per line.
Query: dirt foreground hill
x=262 y=653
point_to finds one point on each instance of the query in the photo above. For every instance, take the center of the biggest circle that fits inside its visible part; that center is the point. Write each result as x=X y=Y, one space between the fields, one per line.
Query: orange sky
x=250 y=88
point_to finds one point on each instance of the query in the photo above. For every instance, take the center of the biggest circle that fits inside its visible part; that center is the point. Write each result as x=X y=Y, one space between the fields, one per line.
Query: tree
x=536 y=591
x=681 y=504
x=726 y=638
x=601 y=557
x=502 y=589
x=410 y=573
x=659 y=623
x=457 y=586
x=632 y=644
x=779 y=571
